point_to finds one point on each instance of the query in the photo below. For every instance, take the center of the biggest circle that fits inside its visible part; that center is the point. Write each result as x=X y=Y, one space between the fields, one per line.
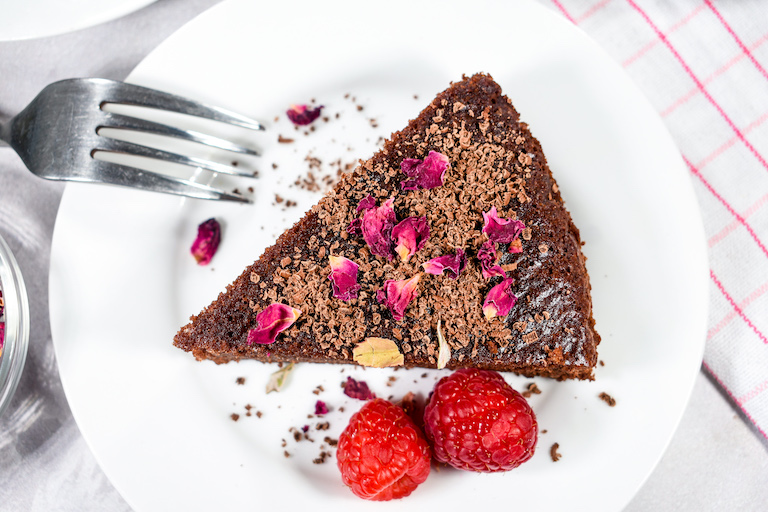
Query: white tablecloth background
x=717 y=460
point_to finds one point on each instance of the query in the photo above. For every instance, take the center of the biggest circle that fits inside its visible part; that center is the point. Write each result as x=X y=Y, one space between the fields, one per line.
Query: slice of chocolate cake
x=456 y=221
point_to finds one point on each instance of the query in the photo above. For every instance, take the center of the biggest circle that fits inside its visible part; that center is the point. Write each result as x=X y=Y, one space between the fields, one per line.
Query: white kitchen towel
x=702 y=64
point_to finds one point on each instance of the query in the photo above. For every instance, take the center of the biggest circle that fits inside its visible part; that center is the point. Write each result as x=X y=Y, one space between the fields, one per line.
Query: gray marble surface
x=716 y=460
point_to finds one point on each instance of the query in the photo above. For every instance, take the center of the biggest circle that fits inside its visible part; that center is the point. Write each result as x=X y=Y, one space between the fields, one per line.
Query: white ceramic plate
x=122 y=281
x=27 y=19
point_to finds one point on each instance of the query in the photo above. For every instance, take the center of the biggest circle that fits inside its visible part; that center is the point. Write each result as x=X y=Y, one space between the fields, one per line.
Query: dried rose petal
x=427 y=173
x=500 y=229
x=343 y=277
x=357 y=389
x=320 y=407
x=355 y=227
x=499 y=300
x=2 y=337
x=272 y=320
x=410 y=235
x=366 y=204
x=378 y=353
x=377 y=228
x=207 y=241
x=487 y=257
x=396 y=295
x=279 y=378
x=302 y=114
x=452 y=264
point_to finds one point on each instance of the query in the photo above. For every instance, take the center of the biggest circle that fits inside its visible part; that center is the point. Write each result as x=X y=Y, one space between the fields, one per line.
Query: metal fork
x=56 y=136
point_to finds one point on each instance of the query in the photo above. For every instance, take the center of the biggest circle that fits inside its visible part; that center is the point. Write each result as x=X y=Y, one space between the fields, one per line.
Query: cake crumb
x=554 y=453
x=234 y=416
x=283 y=140
x=605 y=397
x=240 y=381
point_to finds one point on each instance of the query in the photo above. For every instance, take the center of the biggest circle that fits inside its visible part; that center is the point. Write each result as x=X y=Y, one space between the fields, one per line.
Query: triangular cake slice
x=494 y=163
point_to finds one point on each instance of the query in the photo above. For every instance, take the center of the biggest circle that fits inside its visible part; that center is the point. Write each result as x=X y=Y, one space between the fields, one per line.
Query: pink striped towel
x=702 y=64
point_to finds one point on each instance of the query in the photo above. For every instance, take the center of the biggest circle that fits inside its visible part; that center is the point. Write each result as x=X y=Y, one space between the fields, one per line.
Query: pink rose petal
x=451 y=264
x=357 y=389
x=487 y=257
x=355 y=227
x=410 y=235
x=366 y=204
x=397 y=295
x=427 y=173
x=343 y=278
x=377 y=228
x=302 y=114
x=207 y=241
x=500 y=229
x=499 y=300
x=321 y=408
x=272 y=320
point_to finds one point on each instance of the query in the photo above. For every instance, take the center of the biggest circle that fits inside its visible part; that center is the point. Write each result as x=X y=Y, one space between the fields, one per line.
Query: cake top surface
x=495 y=164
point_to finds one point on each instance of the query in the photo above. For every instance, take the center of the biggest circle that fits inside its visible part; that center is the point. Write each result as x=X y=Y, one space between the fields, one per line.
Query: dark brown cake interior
x=495 y=161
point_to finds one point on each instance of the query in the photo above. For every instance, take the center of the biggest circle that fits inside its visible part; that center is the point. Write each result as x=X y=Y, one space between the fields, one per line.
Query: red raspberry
x=476 y=421
x=382 y=455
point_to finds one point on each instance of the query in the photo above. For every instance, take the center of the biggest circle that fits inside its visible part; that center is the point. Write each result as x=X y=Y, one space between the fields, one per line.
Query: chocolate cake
x=496 y=177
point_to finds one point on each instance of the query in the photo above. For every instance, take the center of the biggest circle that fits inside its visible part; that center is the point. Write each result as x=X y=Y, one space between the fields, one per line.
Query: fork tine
x=133 y=177
x=124 y=122
x=129 y=148
x=129 y=94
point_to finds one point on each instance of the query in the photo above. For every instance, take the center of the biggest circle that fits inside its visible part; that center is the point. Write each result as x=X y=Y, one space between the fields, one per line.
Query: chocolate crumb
x=321 y=459
x=533 y=389
x=234 y=416
x=605 y=397
x=553 y=452
x=240 y=381
x=286 y=454
x=283 y=140
x=602 y=363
